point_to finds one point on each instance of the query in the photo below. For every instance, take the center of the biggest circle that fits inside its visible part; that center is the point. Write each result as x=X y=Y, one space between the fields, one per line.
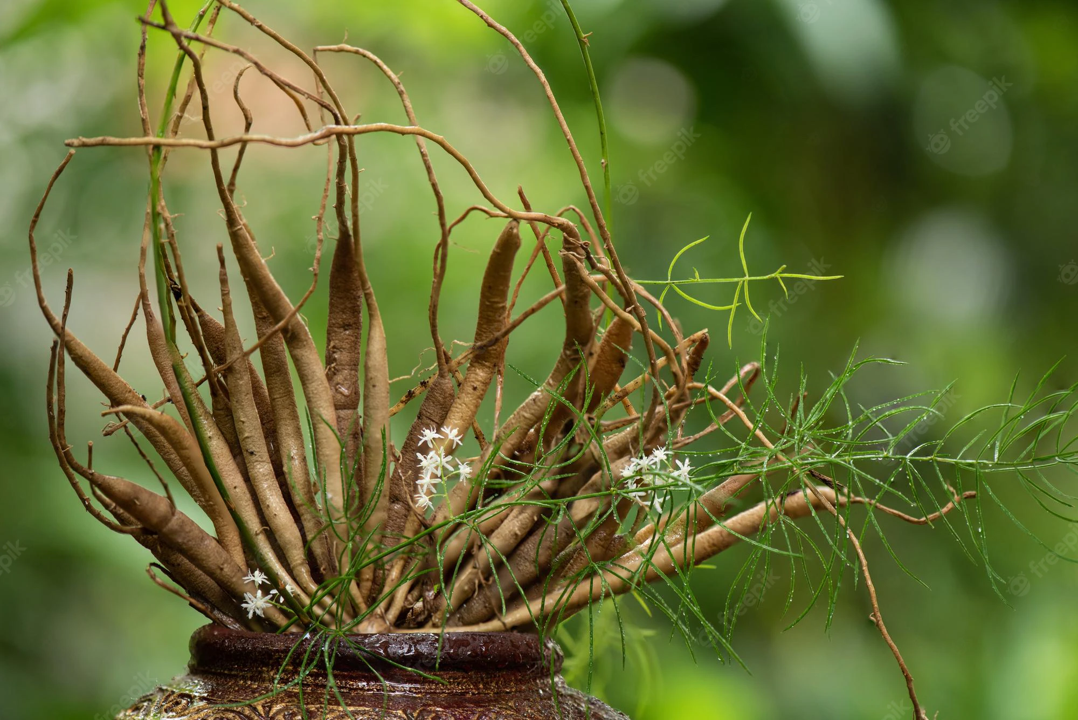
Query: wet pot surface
x=458 y=676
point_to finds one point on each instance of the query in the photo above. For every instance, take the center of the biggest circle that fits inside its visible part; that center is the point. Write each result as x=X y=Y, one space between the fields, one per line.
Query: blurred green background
x=926 y=151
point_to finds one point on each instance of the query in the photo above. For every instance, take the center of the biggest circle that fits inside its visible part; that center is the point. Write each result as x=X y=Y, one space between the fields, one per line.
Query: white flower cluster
x=436 y=466
x=658 y=464
x=257 y=603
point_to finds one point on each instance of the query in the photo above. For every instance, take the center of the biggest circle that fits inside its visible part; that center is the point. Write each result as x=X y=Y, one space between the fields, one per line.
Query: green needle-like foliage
x=594 y=489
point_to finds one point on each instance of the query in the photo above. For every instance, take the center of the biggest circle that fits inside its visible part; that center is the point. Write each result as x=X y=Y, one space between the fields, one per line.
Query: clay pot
x=488 y=676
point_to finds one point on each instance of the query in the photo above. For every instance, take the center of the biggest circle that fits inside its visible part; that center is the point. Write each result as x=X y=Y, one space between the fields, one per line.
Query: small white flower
x=426 y=484
x=658 y=456
x=684 y=467
x=427 y=460
x=432 y=463
x=423 y=502
x=256 y=604
x=632 y=468
x=465 y=470
x=289 y=589
x=428 y=436
x=256 y=576
x=437 y=463
x=452 y=435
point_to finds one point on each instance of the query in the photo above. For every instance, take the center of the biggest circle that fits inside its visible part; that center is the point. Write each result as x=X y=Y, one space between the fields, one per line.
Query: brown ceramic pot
x=473 y=676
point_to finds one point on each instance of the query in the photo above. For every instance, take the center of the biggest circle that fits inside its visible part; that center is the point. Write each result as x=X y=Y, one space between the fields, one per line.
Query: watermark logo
x=46 y=256
x=1021 y=584
x=370 y=192
x=778 y=308
x=227 y=77
x=1068 y=274
x=755 y=594
x=939 y=411
x=224 y=82
x=142 y=685
x=368 y=196
x=899 y=710
x=940 y=142
x=497 y=63
x=627 y=194
x=808 y=12
x=677 y=152
x=11 y=552
x=1018 y=585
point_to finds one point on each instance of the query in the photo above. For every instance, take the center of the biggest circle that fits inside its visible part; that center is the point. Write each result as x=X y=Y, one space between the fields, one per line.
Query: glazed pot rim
x=216 y=648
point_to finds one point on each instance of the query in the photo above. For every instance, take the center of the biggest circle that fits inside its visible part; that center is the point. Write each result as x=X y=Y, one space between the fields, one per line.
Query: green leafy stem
x=742 y=282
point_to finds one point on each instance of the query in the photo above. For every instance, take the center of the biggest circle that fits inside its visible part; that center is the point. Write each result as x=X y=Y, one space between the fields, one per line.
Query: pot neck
x=218 y=649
